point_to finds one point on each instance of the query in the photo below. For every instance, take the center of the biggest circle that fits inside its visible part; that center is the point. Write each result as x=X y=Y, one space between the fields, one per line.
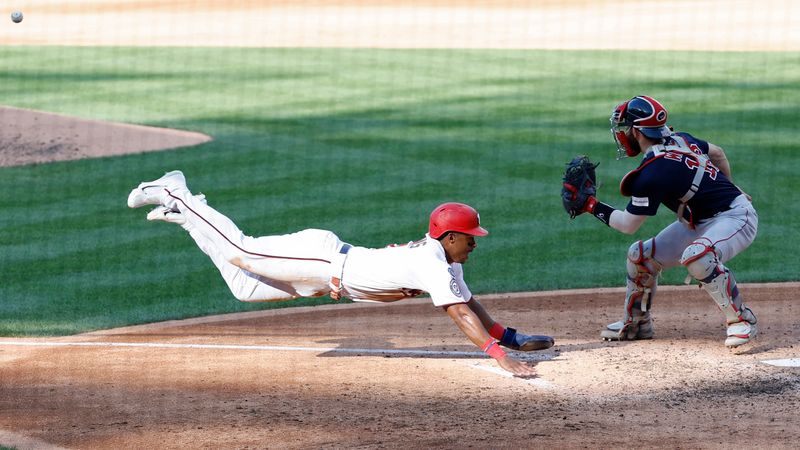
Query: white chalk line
x=367 y=351
x=22 y=442
x=789 y=362
x=538 y=382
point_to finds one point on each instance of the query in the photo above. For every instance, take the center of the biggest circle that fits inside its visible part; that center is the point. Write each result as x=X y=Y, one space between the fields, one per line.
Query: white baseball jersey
x=301 y=264
x=397 y=272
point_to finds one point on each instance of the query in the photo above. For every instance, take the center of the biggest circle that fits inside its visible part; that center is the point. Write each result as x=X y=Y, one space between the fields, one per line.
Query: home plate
x=790 y=362
x=538 y=382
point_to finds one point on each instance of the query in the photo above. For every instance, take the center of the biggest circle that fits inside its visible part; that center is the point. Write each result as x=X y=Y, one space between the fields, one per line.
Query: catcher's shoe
x=740 y=333
x=630 y=331
x=154 y=192
x=165 y=214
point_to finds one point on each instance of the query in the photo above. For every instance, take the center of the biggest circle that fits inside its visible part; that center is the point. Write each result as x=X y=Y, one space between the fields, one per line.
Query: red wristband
x=492 y=349
x=497 y=331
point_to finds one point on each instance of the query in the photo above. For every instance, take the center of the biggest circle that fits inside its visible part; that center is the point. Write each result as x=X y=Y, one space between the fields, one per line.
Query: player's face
x=458 y=246
x=627 y=144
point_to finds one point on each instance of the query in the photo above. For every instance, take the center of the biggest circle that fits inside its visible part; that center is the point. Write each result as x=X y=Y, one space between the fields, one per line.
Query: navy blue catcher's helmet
x=645 y=114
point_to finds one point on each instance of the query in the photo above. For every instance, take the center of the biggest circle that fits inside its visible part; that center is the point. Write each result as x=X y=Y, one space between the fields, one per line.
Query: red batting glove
x=589 y=205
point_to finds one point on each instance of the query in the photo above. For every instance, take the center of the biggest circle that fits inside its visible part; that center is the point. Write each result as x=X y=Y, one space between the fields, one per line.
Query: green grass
x=365 y=143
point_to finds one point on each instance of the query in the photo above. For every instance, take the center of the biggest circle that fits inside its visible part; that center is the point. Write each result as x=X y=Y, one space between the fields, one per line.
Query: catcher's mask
x=645 y=114
x=455 y=217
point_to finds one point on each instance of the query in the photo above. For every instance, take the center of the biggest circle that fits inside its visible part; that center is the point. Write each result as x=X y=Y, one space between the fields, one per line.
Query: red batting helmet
x=645 y=114
x=455 y=217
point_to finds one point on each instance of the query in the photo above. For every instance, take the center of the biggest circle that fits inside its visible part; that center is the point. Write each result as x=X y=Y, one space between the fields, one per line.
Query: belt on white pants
x=337 y=270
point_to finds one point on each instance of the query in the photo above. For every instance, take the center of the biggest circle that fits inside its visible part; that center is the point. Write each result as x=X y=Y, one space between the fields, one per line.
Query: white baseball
x=16 y=16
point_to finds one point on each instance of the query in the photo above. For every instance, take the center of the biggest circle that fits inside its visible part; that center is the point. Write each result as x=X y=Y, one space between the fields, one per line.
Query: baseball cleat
x=165 y=214
x=741 y=333
x=153 y=192
x=620 y=331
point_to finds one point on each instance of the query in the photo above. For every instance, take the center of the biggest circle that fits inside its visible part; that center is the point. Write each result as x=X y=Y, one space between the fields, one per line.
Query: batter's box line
x=789 y=362
x=538 y=382
x=362 y=351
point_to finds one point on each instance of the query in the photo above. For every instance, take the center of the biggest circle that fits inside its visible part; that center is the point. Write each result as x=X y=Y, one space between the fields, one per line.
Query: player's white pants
x=266 y=268
x=729 y=232
x=710 y=244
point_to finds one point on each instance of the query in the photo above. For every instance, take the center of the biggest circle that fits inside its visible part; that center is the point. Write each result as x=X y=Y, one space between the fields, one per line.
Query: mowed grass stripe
x=365 y=143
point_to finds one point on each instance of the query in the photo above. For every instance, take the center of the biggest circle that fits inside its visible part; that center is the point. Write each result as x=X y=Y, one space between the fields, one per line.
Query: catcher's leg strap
x=702 y=263
x=643 y=272
x=642 y=283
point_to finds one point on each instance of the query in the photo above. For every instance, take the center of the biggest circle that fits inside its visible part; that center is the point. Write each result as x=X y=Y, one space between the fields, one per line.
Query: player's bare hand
x=518 y=368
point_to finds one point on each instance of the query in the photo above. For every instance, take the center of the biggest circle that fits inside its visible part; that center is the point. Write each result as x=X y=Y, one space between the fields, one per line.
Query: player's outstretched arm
x=516 y=367
x=480 y=311
x=470 y=324
x=509 y=337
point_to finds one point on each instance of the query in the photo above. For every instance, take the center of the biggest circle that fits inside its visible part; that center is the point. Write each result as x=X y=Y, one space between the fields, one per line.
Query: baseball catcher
x=715 y=220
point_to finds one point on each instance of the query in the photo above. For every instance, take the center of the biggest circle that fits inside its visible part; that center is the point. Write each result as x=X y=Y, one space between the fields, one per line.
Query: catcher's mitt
x=580 y=184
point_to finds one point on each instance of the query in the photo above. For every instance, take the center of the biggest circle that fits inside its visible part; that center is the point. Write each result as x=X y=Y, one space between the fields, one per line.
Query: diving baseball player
x=715 y=219
x=313 y=263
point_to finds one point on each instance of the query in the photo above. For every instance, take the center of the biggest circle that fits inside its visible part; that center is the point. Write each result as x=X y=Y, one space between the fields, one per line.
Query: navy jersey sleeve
x=646 y=195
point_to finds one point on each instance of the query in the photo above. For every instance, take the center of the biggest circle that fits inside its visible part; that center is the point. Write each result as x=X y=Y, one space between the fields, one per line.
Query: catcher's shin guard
x=702 y=264
x=642 y=283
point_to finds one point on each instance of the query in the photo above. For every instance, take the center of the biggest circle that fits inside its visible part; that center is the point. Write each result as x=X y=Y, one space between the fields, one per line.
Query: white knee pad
x=703 y=264
x=700 y=260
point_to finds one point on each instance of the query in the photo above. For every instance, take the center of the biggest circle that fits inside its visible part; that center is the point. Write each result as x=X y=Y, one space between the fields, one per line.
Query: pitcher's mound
x=30 y=137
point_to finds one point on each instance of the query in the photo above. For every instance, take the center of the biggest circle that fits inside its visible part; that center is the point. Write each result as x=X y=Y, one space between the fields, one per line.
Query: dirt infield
x=402 y=376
